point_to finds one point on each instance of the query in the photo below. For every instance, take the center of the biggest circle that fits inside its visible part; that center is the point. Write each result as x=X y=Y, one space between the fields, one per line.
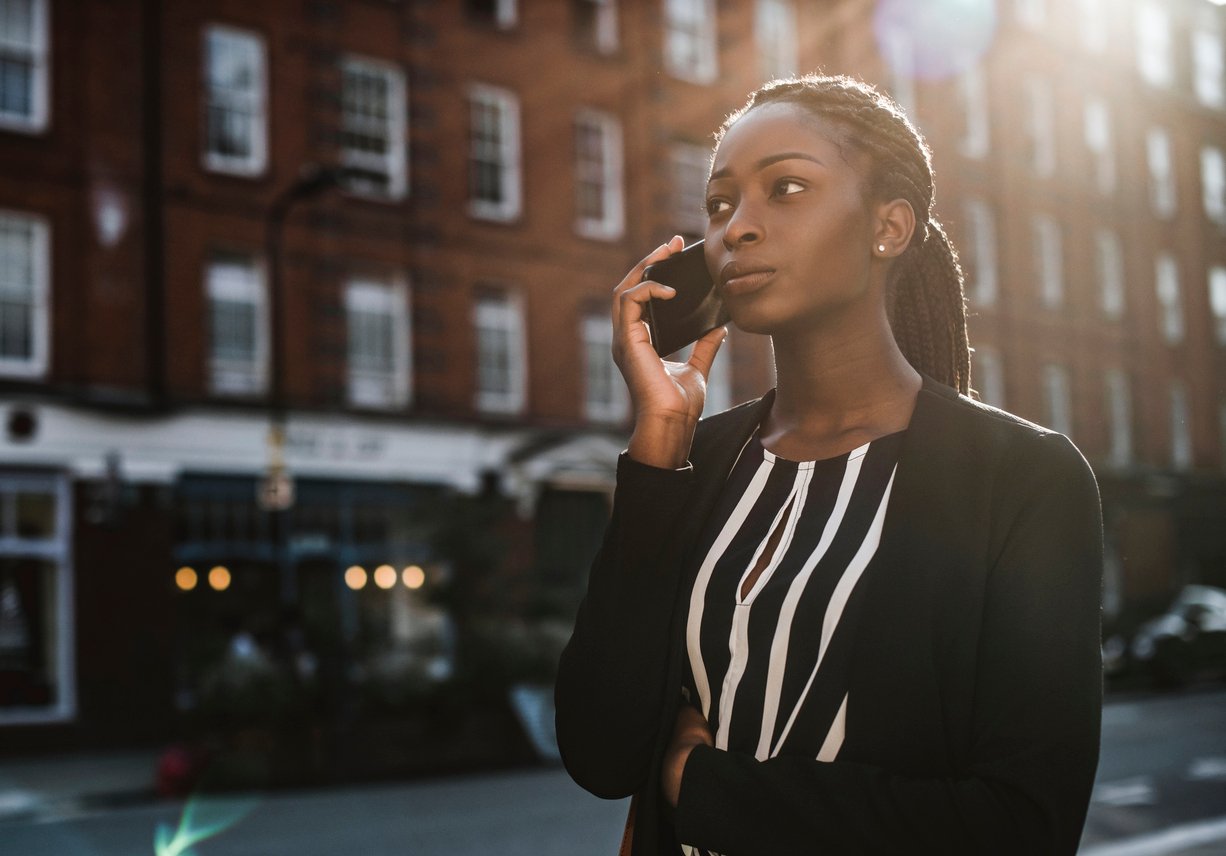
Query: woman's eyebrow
x=765 y=162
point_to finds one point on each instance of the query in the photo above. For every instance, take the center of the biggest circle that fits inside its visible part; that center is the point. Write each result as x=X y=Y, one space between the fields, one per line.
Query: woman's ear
x=895 y=223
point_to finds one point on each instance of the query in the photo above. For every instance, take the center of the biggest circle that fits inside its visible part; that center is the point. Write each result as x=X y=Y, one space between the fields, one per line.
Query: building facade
x=391 y=229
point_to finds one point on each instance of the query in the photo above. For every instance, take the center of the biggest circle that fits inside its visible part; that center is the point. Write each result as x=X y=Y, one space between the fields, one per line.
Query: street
x=1161 y=790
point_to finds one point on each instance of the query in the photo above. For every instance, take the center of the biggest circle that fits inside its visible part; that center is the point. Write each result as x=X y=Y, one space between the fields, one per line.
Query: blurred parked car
x=1185 y=642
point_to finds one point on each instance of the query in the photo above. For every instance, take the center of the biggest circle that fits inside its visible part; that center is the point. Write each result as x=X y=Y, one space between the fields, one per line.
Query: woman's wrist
x=661 y=442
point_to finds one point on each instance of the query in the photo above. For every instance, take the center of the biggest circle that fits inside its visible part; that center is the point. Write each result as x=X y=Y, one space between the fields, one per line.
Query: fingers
x=705 y=350
x=635 y=275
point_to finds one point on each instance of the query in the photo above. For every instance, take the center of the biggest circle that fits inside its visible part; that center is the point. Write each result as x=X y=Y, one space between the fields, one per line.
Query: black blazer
x=973 y=666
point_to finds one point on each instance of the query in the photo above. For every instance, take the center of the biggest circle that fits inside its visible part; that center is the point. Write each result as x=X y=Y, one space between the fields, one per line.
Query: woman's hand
x=691 y=730
x=667 y=396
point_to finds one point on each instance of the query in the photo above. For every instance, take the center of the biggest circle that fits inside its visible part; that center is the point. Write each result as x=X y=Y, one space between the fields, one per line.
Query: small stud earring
x=881 y=248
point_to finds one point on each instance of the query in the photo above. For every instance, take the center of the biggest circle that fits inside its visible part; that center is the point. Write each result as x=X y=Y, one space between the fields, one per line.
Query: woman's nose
x=743 y=227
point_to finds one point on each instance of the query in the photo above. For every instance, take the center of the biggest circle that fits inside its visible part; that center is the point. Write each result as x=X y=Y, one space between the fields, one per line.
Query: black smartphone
x=694 y=310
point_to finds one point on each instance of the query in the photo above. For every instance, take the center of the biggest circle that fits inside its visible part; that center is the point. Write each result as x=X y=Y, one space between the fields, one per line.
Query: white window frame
x=1213 y=183
x=392 y=164
x=596 y=333
x=775 y=31
x=981 y=239
x=1118 y=405
x=1170 y=299
x=604 y=34
x=1155 y=48
x=505 y=106
x=988 y=370
x=502 y=309
x=1209 y=62
x=58 y=551
x=1161 y=160
x=253 y=101
x=37 y=53
x=1181 y=425
x=1048 y=237
x=238 y=377
x=1097 y=127
x=1058 y=398
x=1031 y=14
x=1041 y=126
x=1092 y=14
x=1216 y=278
x=689 y=168
x=691 y=48
x=606 y=174
x=973 y=96
x=373 y=388
x=1109 y=265
x=37 y=364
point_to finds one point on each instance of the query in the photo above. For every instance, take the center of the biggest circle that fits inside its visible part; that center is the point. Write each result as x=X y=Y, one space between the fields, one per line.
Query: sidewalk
x=62 y=784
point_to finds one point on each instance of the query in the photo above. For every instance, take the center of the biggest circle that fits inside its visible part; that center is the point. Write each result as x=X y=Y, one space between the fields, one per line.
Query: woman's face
x=790 y=238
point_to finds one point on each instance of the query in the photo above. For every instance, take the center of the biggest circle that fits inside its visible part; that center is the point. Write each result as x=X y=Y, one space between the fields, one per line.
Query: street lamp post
x=276 y=491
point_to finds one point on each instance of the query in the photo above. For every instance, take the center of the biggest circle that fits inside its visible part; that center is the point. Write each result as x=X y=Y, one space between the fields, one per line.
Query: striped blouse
x=761 y=665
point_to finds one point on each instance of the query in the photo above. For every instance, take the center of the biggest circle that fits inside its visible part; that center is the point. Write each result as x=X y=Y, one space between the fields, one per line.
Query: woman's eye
x=717 y=206
x=786 y=187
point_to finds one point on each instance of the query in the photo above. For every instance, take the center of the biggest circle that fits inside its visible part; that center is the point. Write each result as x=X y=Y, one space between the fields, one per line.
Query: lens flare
x=385 y=576
x=414 y=577
x=203 y=817
x=186 y=578
x=355 y=577
x=219 y=578
x=946 y=37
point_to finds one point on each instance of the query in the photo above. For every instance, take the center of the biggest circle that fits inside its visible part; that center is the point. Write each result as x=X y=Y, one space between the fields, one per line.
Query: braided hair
x=925 y=300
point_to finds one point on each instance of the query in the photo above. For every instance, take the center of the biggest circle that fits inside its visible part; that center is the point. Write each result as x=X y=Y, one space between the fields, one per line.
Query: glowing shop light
x=414 y=577
x=355 y=577
x=186 y=578
x=219 y=578
x=385 y=576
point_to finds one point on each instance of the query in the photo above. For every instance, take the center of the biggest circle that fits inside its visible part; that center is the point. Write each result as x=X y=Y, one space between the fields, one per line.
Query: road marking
x=1207 y=770
x=1166 y=841
x=1138 y=790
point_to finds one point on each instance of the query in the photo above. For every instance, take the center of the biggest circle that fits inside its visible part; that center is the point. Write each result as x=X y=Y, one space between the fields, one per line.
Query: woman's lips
x=745 y=283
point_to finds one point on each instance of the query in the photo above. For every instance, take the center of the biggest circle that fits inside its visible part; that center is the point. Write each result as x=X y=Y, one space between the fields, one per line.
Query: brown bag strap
x=628 y=833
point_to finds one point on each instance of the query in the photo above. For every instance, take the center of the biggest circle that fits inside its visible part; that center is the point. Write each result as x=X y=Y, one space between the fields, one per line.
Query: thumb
x=705 y=350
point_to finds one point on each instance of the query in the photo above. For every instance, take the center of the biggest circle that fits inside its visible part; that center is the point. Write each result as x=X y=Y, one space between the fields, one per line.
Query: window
x=238 y=326
x=1154 y=48
x=1041 y=127
x=989 y=374
x=236 y=121
x=1058 y=398
x=1161 y=173
x=973 y=92
x=1181 y=427
x=493 y=159
x=1119 y=414
x=690 y=165
x=981 y=256
x=605 y=396
x=501 y=352
x=1031 y=14
x=36 y=614
x=373 y=126
x=596 y=24
x=378 y=324
x=898 y=52
x=1208 y=65
x=25 y=286
x=1049 y=260
x=1093 y=25
x=1166 y=275
x=1109 y=263
x=690 y=40
x=775 y=26
x=501 y=13
x=1217 y=301
x=24 y=51
x=1213 y=184
x=1098 y=141
x=598 y=176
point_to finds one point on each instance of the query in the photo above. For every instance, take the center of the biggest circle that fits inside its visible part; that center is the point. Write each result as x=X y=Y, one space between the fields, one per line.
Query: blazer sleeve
x=611 y=676
x=1036 y=717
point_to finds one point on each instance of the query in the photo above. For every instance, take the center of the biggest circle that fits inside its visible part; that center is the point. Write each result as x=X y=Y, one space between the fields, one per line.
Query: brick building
x=443 y=310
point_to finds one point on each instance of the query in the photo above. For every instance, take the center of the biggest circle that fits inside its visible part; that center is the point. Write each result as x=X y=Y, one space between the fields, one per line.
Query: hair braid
x=925 y=299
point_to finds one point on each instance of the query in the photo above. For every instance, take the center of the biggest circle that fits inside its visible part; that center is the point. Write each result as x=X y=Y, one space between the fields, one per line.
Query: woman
x=861 y=613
